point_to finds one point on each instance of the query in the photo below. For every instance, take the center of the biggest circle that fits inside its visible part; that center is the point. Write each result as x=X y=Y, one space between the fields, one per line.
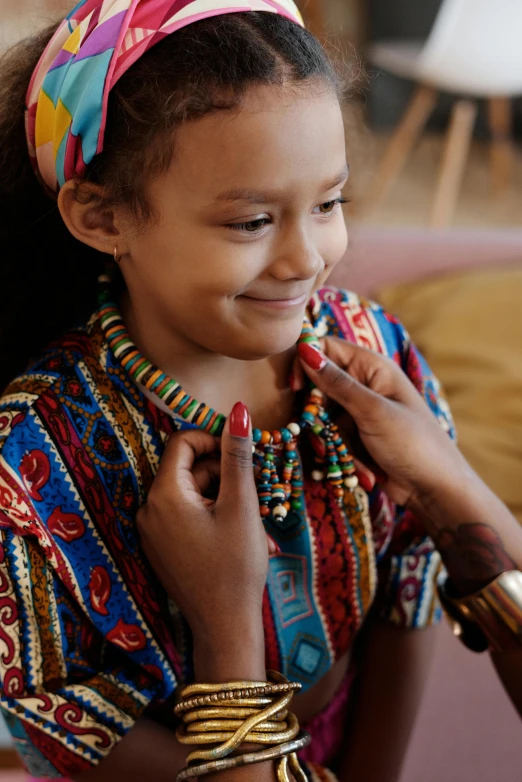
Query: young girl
x=189 y=161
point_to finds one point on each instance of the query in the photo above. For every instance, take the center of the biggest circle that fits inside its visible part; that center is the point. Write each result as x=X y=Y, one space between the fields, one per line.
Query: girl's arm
x=394 y=665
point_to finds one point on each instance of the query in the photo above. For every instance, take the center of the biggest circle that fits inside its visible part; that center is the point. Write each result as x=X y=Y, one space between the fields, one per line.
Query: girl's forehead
x=272 y=137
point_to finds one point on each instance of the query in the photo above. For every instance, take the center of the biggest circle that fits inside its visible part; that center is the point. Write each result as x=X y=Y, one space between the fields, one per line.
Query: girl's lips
x=277 y=303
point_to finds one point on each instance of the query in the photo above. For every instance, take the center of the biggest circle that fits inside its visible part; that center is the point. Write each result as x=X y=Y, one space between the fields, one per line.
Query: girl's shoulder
x=336 y=312
x=66 y=374
x=47 y=369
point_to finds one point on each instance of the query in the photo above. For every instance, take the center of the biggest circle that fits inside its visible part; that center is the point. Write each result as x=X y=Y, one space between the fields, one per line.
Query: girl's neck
x=217 y=380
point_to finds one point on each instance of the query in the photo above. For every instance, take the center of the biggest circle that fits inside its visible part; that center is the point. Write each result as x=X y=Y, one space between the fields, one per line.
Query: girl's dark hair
x=48 y=278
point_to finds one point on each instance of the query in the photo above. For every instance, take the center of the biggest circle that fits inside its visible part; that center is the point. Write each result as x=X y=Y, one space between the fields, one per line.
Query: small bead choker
x=278 y=494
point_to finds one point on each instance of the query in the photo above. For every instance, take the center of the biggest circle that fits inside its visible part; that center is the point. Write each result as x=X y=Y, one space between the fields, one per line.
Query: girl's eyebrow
x=267 y=196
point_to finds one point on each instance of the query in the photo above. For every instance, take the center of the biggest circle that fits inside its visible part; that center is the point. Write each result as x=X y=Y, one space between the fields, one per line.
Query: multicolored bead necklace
x=278 y=494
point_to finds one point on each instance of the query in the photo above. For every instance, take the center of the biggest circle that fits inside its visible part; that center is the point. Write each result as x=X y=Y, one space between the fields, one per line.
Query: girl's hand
x=401 y=438
x=210 y=555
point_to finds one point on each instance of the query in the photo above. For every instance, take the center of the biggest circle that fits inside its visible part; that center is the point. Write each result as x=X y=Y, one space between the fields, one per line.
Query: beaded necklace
x=278 y=494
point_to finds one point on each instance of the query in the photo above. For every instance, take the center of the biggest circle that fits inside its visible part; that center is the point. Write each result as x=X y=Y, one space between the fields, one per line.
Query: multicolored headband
x=94 y=45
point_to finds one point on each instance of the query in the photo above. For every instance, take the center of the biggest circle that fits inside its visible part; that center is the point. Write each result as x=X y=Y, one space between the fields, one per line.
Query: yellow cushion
x=469 y=327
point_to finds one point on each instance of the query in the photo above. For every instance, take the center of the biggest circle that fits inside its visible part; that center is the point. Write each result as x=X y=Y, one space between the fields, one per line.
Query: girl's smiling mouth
x=277 y=303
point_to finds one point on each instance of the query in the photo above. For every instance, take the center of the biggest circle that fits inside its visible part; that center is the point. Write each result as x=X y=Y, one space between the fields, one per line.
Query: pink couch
x=377 y=257
x=467 y=729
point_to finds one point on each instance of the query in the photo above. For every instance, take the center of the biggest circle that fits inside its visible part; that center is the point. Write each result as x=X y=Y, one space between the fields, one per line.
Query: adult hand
x=210 y=554
x=399 y=433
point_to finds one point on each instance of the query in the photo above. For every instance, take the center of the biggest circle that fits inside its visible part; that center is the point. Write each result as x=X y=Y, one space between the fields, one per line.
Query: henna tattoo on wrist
x=474 y=555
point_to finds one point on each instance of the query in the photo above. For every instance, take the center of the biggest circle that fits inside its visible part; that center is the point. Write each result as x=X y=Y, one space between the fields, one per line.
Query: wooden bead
x=266 y=437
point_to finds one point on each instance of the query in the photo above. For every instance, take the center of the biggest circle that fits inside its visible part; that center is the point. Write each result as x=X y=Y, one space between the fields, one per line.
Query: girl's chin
x=257 y=336
x=272 y=345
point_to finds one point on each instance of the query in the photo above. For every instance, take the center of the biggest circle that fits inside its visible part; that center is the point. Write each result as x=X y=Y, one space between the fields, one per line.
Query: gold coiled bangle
x=233 y=713
x=284 y=752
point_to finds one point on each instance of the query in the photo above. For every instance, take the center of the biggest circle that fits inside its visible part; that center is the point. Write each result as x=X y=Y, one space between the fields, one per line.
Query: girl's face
x=249 y=224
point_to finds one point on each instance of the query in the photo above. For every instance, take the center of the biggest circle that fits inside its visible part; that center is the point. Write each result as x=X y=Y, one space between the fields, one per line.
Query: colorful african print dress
x=88 y=640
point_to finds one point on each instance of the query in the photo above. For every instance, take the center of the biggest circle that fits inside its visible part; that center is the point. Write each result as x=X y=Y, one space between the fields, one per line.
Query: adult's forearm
x=477 y=536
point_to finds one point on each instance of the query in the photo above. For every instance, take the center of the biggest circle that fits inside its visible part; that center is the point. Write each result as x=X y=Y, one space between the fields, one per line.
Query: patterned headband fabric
x=96 y=43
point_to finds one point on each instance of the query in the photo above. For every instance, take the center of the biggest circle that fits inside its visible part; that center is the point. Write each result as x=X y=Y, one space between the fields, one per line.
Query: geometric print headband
x=94 y=45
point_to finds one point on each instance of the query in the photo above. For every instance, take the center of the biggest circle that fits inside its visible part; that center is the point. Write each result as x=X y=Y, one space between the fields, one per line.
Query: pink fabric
x=377 y=257
x=327 y=728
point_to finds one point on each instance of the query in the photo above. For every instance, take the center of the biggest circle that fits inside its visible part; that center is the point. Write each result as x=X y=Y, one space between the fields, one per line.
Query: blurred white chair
x=474 y=50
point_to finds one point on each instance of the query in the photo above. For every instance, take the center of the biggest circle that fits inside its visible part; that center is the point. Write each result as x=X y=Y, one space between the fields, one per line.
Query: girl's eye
x=329 y=206
x=255 y=226
x=251 y=227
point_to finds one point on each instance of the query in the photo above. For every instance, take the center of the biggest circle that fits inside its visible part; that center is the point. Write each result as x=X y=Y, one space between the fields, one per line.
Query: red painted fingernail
x=366 y=482
x=312 y=356
x=273 y=547
x=239 y=420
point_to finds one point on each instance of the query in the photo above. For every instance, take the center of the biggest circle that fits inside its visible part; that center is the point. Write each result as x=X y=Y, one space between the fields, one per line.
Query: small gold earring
x=117 y=257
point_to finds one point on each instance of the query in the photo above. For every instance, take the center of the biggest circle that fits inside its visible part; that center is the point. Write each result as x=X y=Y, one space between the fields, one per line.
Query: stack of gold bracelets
x=234 y=713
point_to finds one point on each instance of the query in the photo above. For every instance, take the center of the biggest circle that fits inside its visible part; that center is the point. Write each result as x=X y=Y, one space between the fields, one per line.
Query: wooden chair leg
x=454 y=160
x=500 y=123
x=401 y=144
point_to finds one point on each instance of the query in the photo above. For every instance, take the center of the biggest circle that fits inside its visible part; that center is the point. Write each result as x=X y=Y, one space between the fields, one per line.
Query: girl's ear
x=89 y=218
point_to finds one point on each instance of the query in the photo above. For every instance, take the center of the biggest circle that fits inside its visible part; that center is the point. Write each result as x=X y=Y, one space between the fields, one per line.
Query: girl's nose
x=297 y=257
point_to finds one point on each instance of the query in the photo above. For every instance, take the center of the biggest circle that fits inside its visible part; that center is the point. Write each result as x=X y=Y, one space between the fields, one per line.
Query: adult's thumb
x=237 y=473
x=358 y=400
